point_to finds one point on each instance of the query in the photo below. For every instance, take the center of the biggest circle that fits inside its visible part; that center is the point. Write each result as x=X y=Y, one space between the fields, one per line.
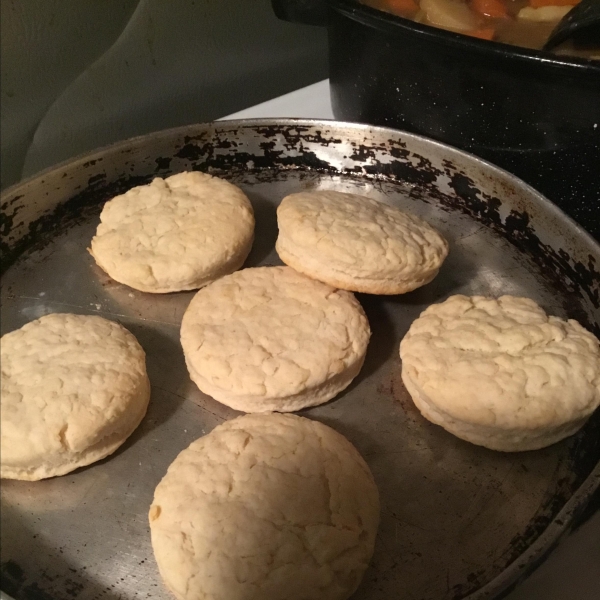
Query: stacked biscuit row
x=269 y=501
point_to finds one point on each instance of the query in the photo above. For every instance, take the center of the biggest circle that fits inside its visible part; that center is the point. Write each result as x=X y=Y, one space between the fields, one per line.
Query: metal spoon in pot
x=582 y=21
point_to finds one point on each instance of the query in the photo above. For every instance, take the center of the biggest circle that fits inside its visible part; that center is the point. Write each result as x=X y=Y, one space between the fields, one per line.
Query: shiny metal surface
x=457 y=520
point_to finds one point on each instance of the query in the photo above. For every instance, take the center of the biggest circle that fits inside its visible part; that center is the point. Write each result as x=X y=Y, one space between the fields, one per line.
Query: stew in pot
x=526 y=23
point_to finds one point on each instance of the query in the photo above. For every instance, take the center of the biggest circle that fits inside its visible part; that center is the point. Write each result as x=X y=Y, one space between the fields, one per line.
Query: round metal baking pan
x=458 y=521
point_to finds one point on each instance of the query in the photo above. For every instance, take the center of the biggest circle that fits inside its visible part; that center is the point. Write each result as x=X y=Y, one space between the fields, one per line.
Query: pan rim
x=72 y=162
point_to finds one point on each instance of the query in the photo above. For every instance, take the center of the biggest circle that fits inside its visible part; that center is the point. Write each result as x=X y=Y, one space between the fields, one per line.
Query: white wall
x=79 y=74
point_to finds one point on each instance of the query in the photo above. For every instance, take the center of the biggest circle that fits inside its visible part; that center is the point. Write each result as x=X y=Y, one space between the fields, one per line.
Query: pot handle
x=305 y=12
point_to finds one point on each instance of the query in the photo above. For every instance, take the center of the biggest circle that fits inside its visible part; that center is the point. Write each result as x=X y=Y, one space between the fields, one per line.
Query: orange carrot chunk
x=401 y=7
x=489 y=8
x=540 y=3
x=485 y=33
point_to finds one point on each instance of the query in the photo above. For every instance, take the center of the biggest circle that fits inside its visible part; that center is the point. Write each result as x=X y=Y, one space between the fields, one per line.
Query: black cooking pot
x=531 y=112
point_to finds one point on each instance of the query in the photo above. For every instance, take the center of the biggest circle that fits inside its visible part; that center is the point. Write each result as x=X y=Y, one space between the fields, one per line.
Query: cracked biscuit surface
x=265 y=506
x=501 y=373
x=269 y=338
x=74 y=387
x=178 y=233
x=357 y=243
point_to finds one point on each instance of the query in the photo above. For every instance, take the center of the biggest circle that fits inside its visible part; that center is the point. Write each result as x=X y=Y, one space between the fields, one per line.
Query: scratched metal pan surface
x=458 y=521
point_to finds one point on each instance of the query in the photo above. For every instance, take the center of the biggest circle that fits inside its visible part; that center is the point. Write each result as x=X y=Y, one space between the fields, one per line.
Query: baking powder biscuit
x=501 y=373
x=74 y=387
x=269 y=338
x=265 y=506
x=356 y=243
x=178 y=233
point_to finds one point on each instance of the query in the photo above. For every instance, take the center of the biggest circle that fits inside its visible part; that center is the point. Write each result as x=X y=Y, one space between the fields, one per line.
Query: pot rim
x=383 y=21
